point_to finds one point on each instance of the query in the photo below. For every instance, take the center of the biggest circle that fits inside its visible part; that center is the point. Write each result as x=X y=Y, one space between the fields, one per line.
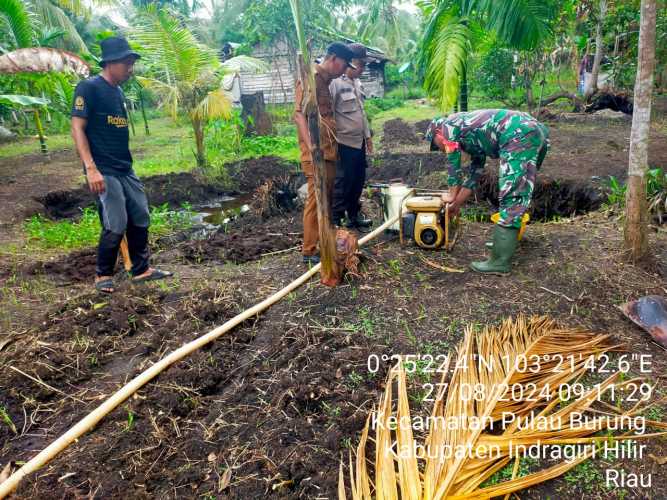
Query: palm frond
x=520 y=23
x=168 y=95
x=17 y=18
x=54 y=17
x=546 y=416
x=76 y=7
x=448 y=41
x=216 y=104
x=245 y=64
x=170 y=48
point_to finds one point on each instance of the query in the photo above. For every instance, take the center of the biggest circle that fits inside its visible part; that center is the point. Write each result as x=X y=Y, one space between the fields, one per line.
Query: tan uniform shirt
x=328 y=142
x=348 y=103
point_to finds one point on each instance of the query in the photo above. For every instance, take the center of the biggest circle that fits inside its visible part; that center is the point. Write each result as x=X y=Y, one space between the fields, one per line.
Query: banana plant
x=185 y=74
x=32 y=104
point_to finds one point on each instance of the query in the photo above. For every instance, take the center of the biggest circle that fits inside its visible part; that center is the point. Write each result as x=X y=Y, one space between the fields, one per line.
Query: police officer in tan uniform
x=354 y=141
x=336 y=61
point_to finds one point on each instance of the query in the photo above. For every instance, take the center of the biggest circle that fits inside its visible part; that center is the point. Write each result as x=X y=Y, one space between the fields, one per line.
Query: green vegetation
x=656 y=193
x=6 y=419
x=43 y=233
x=526 y=464
x=585 y=476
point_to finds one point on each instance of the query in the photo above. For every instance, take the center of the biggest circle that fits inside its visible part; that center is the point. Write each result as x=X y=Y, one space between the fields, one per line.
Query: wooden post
x=636 y=213
x=42 y=137
x=254 y=107
x=326 y=230
x=125 y=255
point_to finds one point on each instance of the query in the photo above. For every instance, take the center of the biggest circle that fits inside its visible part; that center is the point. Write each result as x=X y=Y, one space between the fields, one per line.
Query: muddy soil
x=250 y=239
x=26 y=177
x=590 y=151
x=268 y=410
x=175 y=189
x=278 y=400
x=551 y=198
x=397 y=132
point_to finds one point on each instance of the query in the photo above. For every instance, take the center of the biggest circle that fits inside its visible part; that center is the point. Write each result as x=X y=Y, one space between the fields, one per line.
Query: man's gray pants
x=123 y=209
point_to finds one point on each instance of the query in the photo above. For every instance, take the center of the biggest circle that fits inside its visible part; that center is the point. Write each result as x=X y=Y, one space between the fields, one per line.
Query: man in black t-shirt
x=101 y=135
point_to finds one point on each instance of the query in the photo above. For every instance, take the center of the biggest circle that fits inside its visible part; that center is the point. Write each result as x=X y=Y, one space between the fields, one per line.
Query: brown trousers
x=311 y=231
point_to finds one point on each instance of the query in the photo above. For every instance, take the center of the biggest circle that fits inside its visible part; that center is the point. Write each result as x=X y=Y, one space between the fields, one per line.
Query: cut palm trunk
x=326 y=230
x=510 y=391
x=331 y=272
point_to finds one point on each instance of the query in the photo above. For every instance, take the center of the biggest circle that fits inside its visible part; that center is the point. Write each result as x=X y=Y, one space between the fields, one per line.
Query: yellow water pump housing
x=426 y=215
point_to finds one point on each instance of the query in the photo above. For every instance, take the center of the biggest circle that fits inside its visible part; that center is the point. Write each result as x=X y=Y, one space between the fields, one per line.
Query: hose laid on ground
x=91 y=420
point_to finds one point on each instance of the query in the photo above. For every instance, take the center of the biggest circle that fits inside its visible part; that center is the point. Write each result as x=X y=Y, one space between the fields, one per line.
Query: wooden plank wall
x=278 y=83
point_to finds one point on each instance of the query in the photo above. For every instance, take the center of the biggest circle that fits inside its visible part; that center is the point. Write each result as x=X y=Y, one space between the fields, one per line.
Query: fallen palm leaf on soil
x=430 y=472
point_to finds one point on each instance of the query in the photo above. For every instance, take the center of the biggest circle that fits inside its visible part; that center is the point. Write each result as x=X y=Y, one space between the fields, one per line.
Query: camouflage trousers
x=520 y=158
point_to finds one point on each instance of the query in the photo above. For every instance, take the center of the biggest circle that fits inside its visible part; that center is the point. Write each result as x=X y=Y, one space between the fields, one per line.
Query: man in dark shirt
x=100 y=132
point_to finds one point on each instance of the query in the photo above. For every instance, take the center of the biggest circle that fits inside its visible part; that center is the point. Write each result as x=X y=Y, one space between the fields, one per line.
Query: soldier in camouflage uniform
x=521 y=143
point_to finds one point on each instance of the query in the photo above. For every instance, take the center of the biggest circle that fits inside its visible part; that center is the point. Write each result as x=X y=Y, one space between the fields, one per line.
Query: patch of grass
x=654 y=413
x=42 y=233
x=585 y=476
x=505 y=474
x=129 y=422
x=30 y=145
x=6 y=419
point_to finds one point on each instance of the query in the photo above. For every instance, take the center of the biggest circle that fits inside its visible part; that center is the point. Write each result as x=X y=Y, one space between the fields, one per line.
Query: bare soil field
x=269 y=410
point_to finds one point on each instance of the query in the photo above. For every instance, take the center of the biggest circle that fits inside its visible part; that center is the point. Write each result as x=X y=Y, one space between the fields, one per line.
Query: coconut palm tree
x=455 y=27
x=184 y=73
x=25 y=23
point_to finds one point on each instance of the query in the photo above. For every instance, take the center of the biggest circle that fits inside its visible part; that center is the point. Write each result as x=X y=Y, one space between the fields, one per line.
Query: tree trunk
x=599 y=47
x=636 y=214
x=200 y=155
x=463 y=97
x=130 y=115
x=42 y=139
x=143 y=111
x=327 y=235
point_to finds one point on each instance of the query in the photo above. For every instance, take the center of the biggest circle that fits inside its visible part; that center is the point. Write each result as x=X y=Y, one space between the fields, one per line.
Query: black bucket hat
x=341 y=50
x=116 y=48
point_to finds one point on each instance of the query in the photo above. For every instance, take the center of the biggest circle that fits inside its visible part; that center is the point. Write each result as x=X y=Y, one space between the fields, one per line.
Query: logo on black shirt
x=79 y=103
x=118 y=121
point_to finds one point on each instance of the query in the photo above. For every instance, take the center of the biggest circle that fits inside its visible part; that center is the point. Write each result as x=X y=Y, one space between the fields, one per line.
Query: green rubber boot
x=505 y=241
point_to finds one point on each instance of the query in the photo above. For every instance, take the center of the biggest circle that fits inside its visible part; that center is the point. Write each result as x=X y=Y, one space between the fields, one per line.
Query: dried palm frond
x=516 y=373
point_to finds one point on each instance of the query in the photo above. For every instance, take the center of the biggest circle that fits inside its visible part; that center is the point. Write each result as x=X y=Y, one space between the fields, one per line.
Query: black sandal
x=157 y=274
x=105 y=286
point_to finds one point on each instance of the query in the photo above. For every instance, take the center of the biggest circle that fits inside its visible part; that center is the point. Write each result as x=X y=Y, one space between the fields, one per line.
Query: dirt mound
x=248 y=175
x=174 y=189
x=76 y=266
x=397 y=131
x=551 y=198
x=428 y=170
x=616 y=102
x=421 y=126
x=413 y=169
x=170 y=189
x=252 y=237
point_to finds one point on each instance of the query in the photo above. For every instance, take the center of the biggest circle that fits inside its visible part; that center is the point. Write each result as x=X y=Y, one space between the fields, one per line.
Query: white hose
x=92 y=419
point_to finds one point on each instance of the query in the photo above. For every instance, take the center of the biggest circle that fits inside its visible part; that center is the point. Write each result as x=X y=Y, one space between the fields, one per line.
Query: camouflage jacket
x=484 y=133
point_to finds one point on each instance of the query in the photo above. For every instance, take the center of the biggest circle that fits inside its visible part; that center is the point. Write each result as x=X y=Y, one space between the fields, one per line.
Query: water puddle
x=221 y=211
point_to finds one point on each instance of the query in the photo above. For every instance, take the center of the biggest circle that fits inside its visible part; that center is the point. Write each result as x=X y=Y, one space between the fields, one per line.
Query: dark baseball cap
x=115 y=48
x=341 y=50
x=358 y=51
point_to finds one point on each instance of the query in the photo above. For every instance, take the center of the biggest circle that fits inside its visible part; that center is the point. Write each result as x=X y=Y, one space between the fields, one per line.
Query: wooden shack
x=277 y=84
